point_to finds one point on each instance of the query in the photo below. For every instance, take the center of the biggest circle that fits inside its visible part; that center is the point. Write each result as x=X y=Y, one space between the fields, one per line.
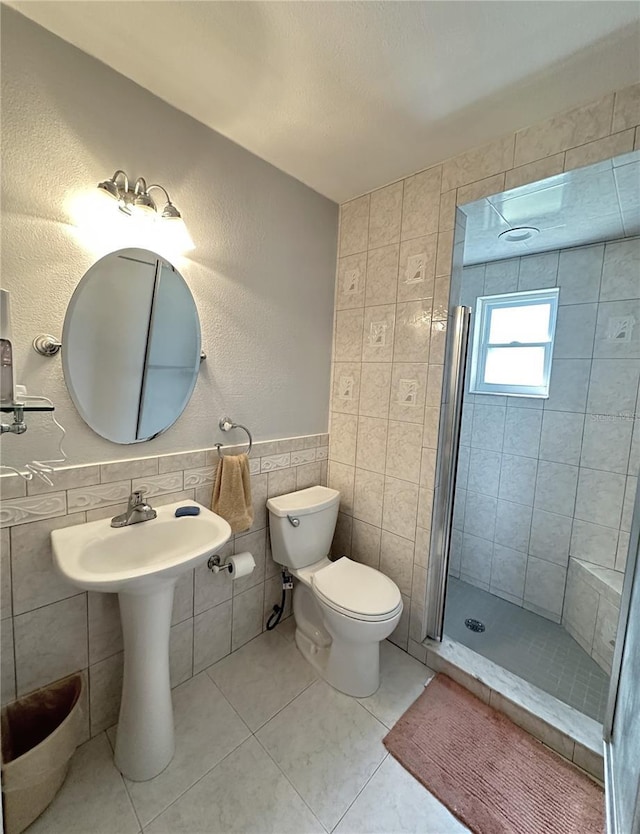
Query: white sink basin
x=98 y=557
x=141 y=563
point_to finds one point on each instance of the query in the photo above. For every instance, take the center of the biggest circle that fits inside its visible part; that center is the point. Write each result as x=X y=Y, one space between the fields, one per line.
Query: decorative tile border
x=86 y=498
x=35 y=508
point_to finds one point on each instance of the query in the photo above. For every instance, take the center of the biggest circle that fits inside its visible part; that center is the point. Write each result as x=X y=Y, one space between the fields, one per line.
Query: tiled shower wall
x=392 y=289
x=542 y=480
x=50 y=630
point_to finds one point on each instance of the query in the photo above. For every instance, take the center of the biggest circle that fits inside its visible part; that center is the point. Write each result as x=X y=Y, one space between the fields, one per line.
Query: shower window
x=513 y=343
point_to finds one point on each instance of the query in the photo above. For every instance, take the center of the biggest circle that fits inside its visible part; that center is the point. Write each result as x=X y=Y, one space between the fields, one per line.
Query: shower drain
x=474 y=625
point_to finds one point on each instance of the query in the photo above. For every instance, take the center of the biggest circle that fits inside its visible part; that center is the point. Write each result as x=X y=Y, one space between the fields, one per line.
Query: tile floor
x=532 y=647
x=263 y=745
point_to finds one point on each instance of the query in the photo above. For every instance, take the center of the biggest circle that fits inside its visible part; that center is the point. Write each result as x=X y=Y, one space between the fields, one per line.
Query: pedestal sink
x=141 y=563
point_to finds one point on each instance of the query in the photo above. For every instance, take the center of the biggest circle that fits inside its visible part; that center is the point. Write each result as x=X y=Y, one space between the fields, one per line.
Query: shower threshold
x=569 y=732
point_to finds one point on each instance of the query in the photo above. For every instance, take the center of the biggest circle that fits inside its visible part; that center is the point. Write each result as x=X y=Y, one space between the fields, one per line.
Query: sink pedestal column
x=145 y=742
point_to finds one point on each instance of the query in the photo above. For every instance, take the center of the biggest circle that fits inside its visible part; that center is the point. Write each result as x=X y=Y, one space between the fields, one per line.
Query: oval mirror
x=131 y=346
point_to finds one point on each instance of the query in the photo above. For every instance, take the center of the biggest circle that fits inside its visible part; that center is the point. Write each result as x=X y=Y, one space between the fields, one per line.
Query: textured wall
x=261 y=273
x=390 y=328
x=541 y=480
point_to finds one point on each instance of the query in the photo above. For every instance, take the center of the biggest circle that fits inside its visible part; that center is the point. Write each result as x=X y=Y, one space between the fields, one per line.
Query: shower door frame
x=458 y=333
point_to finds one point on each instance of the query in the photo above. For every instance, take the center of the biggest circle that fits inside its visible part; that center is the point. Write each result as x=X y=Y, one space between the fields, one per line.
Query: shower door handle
x=446 y=466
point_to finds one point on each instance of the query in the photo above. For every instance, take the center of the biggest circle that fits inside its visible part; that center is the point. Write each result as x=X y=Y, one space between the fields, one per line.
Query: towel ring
x=226 y=424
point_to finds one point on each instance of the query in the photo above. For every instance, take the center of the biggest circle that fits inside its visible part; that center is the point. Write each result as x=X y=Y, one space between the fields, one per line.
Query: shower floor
x=532 y=647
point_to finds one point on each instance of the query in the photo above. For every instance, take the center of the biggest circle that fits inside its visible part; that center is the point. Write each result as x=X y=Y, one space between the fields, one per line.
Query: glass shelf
x=9 y=409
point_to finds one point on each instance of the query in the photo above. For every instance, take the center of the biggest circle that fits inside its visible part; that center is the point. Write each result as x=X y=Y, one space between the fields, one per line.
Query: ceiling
x=347 y=96
x=601 y=202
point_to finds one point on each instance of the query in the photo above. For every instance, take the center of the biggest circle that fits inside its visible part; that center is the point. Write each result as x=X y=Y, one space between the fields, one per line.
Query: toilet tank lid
x=304 y=501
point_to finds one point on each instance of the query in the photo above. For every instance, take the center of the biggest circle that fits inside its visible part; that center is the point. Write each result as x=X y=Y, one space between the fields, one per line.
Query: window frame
x=485 y=305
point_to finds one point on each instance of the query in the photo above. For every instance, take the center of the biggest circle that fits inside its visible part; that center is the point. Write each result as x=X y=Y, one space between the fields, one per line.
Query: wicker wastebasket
x=40 y=733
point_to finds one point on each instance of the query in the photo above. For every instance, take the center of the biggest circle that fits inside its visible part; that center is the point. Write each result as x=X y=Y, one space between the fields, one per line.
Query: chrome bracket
x=46 y=345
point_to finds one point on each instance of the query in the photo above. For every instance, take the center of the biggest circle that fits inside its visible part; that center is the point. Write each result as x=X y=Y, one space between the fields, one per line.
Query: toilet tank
x=302 y=525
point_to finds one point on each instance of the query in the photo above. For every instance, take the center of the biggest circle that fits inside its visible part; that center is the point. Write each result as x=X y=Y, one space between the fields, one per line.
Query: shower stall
x=539 y=439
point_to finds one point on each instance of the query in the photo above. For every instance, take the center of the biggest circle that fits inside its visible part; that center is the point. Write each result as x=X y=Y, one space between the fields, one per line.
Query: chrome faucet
x=137 y=511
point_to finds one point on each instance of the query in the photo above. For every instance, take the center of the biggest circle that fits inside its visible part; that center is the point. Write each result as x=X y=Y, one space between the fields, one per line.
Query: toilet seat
x=357 y=591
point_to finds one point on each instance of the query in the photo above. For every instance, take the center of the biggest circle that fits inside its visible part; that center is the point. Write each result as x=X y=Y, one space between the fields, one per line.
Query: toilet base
x=352 y=668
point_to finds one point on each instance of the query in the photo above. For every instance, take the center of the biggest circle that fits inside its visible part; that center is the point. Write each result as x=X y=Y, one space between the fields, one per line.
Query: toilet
x=342 y=609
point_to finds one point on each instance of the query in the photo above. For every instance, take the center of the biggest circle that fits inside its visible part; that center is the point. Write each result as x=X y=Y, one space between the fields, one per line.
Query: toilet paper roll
x=242 y=564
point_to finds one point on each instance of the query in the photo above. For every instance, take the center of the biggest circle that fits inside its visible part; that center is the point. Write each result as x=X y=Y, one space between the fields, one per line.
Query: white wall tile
x=365 y=543
x=484 y=471
x=23 y=510
x=375 y=389
x=385 y=214
x=594 y=543
x=476 y=558
x=544 y=585
x=66 y=478
x=417 y=268
x=354 y=226
x=613 y=382
x=382 y=275
x=86 y=498
x=351 y=281
x=480 y=515
x=396 y=560
x=105 y=631
x=342 y=478
x=600 y=497
x=569 y=385
x=620 y=270
x=508 y=571
x=538 y=271
x=556 y=485
x=50 y=642
x=579 y=273
x=513 y=525
x=518 y=479
x=36 y=581
x=281 y=482
x=212 y=635
x=550 y=537
x=612 y=316
x=400 y=507
x=575 y=331
x=105 y=690
x=248 y=609
x=561 y=438
x=488 y=427
x=348 y=335
x=158 y=484
x=522 y=431
x=421 y=203
x=606 y=443
x=372 y=444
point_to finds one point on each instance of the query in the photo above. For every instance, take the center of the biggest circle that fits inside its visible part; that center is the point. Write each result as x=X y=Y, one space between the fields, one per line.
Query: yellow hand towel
x=232 y=492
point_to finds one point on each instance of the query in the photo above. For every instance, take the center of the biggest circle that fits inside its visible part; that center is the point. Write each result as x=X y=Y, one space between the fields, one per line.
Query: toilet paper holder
x=216 y=564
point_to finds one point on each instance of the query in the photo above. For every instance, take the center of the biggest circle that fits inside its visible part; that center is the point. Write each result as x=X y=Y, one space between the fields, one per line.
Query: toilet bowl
x=342 y=609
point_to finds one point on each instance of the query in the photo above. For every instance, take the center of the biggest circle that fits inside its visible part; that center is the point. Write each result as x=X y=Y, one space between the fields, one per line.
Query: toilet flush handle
x=294 y=522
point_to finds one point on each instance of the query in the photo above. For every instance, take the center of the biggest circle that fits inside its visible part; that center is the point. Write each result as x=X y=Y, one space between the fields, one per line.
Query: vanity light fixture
x=137 y=199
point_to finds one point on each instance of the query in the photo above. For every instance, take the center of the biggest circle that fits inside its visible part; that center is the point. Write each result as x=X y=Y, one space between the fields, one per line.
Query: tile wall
x=540 y=481
x=49 y=630
x=592 y=609
x=392 y=289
